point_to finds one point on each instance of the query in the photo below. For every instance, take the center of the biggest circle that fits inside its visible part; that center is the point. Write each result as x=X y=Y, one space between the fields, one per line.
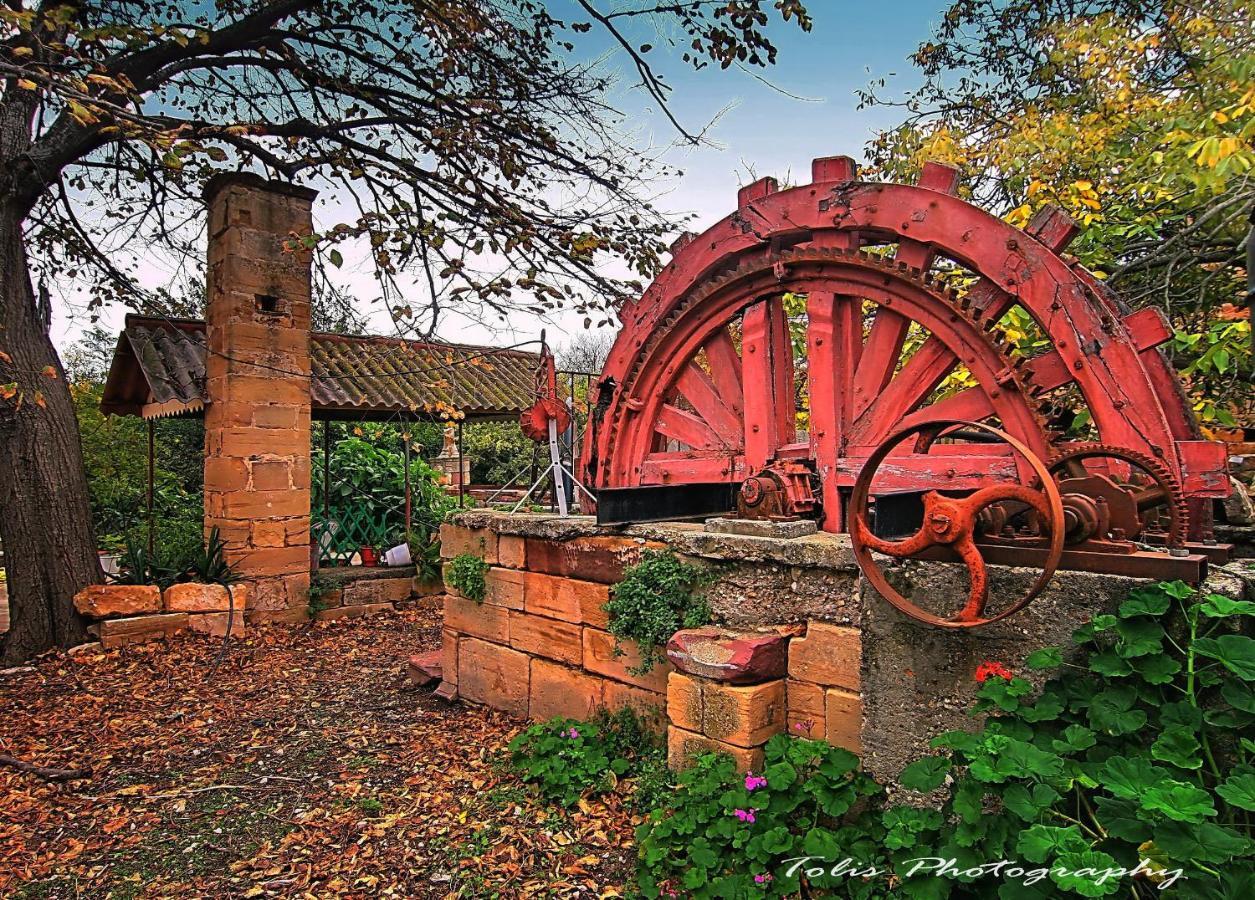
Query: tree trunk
x=45 y=511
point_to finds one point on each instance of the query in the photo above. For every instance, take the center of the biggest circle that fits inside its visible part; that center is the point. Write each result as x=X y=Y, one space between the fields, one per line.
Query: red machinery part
x=534 y=421
x=905 y=297
x=955 y=522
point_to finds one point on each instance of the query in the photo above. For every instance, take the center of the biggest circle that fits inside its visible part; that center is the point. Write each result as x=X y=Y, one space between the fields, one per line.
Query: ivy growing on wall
x=654 y=600
x=467 y=574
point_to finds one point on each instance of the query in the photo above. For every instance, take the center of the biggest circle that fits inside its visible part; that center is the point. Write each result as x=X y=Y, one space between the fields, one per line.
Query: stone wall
x=538 y=645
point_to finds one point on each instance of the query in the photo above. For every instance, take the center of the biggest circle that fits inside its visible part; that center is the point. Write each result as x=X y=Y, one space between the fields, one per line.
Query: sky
x=758 y=129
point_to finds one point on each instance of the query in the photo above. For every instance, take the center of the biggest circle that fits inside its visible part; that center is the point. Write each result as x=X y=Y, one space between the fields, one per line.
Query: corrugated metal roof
x=159 y=369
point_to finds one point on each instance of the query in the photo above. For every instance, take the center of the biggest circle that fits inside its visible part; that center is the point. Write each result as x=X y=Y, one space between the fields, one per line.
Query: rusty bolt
x=1013 y=244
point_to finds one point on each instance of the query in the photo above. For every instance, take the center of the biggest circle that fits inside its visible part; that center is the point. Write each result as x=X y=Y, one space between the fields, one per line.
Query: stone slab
x=766 y=528
x=735 y=657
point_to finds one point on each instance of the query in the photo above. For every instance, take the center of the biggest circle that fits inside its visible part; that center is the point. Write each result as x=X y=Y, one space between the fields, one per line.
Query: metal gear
x=1166 y=492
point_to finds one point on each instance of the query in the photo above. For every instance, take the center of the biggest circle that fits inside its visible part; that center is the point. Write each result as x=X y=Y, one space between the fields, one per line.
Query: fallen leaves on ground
x=306 y=767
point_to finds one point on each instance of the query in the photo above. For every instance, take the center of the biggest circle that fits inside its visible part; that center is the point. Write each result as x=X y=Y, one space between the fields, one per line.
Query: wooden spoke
x=921 y=375
x=834 y=344
x=704 y=396
x=725 y=370
x=971 y=405
x=683 y=426
x=880 y=357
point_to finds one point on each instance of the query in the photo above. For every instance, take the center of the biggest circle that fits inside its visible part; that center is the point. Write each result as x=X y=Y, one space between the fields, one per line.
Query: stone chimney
x=257 y=422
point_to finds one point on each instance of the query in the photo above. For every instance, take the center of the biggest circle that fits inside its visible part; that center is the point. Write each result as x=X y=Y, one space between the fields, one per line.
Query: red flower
x=987 y=669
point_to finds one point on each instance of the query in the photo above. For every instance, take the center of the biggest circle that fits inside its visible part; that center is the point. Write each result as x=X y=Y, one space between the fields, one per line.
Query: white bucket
x=397 y=556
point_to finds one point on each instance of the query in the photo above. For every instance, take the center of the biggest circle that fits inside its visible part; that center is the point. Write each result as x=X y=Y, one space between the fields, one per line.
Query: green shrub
x=467 y=574
x=567 y=758
x=653 y=601
x=1138 y=753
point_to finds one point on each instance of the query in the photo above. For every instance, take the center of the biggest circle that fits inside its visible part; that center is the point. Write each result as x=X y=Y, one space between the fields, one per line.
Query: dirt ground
x=306 y=767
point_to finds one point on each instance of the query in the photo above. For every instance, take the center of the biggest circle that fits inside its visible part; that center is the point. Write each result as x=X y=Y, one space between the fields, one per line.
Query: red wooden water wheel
x=812 y=323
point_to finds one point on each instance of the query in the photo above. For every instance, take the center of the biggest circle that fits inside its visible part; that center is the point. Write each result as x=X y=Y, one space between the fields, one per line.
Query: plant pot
x=398 y=556
x=109 y=562
x=369 y=557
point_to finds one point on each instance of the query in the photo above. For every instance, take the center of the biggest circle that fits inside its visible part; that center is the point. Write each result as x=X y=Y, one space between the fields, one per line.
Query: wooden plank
x=821 y=376
x=918 y=472
x=767 y=380
x=696 y=466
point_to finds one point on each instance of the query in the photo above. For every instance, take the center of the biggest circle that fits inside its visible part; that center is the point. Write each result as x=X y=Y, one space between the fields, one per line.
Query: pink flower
x=762 y=879
x=745 y=815
x=805 y=725
x=754 y=782
x=572 y=734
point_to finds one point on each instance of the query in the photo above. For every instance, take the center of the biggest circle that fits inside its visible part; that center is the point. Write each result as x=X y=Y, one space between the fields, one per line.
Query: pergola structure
x=158 y=371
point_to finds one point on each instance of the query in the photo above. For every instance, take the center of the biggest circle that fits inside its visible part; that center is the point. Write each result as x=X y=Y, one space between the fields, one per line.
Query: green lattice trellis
x=346 y=530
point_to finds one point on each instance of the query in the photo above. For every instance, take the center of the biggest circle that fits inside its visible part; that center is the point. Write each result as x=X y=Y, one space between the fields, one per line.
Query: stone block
x=649 y=706
x=274 y=561
x=269 y=616
x=735 y=657
x=119 y=632
x=683 y=746
x=449 y=655
x=805 y=715
x=426 y=668
x=426 y=587
x=512 y=551
x=599 y=657
x=494 y=675
x=479 y=620
x=546 y=637
x=684 y=701
x=269 y=533
x=105 y=600
x=215 y=623
x=270 y=594
x=565 y=598
x=456 y=540
x=560 y=691
x=192 y=597
x=601 y=559
x=504 y=587
x=744 y=716
x=844 y=719
x=829 y=655
x=271 y=475
x=226 y=473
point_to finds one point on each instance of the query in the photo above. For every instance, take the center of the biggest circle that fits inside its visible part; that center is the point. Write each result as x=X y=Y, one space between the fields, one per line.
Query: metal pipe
x=151 y=524
x=326 y=473
x=461 y=470
x=405 y=437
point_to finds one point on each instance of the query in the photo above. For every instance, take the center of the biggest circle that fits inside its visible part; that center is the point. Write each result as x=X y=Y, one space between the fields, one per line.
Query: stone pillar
x=257 y=421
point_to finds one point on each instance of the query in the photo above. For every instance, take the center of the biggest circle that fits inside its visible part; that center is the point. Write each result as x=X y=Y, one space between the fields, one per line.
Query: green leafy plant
x=319 y=588
x=724 y=834
x=567 y=759
x=654 y=600
x=425 y=553
x=209 y=564
x=467 y=575
x=1135 y=758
